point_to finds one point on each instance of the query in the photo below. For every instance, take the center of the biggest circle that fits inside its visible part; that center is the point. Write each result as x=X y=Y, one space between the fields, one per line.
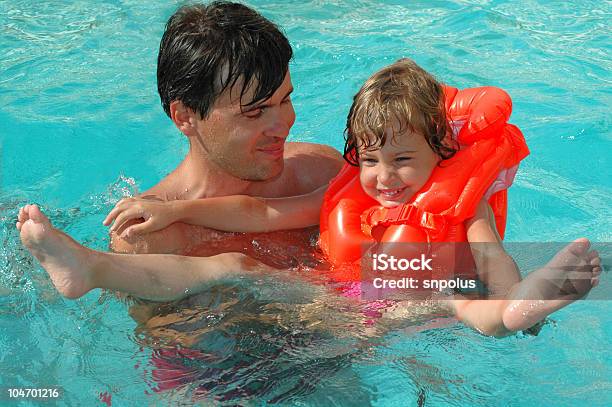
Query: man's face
x=248 y=144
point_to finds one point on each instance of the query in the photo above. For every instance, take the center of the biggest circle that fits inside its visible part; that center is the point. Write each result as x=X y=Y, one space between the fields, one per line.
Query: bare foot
x=66 y=261
x=569 y=276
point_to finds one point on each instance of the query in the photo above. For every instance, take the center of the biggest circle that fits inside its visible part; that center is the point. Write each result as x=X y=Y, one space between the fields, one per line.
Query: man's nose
x=279 y=130
x=278 y=127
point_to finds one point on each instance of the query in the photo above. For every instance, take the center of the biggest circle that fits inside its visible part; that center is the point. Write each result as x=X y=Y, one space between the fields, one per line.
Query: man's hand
x=156 y=214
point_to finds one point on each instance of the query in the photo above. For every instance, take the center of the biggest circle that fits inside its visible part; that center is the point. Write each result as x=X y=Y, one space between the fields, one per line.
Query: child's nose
x=386 y=175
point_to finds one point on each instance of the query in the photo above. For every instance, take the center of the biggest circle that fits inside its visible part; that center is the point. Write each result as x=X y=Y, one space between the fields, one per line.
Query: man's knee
x=165 y=241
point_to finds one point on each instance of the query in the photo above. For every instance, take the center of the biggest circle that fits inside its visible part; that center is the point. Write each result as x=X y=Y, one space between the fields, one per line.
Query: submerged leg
x=74 y=269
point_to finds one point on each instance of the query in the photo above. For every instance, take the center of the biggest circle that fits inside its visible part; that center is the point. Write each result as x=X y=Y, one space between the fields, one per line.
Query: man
x=223 y=79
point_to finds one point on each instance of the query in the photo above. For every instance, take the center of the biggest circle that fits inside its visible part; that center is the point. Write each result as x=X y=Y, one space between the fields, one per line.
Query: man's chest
x=282 y=249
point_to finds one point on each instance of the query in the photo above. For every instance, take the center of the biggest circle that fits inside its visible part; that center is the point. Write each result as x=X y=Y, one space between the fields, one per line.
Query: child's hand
x=156 y=214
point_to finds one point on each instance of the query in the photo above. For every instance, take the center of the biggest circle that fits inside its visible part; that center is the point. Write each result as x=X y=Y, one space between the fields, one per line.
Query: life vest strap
x=407 y=214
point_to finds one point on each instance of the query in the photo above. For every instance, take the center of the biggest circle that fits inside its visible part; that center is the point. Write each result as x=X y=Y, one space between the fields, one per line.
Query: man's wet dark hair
x=206 y=49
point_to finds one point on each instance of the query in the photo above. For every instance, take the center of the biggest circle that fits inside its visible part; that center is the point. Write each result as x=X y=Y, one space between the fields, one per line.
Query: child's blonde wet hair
x=404 y=97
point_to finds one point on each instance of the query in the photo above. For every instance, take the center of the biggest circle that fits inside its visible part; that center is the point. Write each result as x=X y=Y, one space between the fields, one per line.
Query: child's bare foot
x=569 y=276
x=64 y=259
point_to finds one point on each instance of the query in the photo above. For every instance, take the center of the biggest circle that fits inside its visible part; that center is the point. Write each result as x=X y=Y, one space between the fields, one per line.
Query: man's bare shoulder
x=312 y=165
x=163 y=190
x=298 y=147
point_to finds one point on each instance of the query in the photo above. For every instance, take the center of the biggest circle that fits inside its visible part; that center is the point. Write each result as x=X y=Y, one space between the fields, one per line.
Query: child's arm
x=238 y=213
x=517 y=304
x=495 y=268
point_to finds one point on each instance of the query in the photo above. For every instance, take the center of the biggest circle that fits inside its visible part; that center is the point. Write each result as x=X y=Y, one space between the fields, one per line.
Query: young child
x=396 y=156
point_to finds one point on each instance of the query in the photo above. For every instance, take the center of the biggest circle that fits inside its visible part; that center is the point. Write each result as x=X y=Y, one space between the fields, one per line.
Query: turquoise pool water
x=81 y=125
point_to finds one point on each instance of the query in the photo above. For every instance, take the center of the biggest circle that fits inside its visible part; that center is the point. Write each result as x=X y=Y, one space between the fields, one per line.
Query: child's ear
x=183 y=117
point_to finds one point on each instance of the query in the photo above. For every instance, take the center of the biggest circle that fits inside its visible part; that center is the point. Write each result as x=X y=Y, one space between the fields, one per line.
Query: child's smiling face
x=393 y=173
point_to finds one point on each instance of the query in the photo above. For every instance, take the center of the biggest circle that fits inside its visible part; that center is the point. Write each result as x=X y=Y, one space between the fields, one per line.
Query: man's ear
x=183 y=117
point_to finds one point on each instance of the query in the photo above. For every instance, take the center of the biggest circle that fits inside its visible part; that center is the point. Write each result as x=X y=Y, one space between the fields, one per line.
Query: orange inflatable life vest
x=490 y=150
